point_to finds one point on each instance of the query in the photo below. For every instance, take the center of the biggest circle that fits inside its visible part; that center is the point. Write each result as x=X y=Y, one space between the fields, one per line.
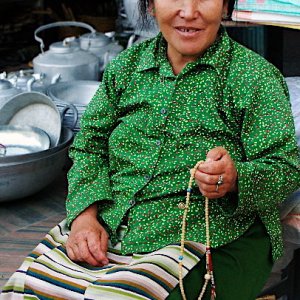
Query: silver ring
x=219 y=182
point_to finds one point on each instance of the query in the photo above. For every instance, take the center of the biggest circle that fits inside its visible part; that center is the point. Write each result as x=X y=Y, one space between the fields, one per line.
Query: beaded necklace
x=209 y=266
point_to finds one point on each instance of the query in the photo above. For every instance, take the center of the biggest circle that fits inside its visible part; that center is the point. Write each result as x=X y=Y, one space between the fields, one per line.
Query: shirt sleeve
x=271 y=170
x=88 y=177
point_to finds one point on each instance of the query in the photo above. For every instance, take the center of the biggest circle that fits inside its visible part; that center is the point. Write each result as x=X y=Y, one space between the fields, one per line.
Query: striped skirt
x=48 y=273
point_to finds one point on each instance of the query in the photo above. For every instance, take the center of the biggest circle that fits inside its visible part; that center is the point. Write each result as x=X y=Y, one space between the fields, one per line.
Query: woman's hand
x=88 y=239
x=218 y=163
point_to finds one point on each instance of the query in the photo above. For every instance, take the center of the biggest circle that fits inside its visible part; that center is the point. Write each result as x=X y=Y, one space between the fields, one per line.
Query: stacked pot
x=82 y=58
x=24 y=175
x=72 y=68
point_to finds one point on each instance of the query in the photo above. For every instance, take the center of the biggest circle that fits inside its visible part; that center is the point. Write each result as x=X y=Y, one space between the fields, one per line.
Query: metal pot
x=65 y=139
x=7 y=90
x=104 y=47
x=38 y=110
x=24 y=175
x=27 y=81
x=18 y=140
x=77 y=92
x=65 y=61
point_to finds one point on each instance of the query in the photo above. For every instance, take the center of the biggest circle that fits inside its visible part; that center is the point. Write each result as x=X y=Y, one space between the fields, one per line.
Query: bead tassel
x=209 y=265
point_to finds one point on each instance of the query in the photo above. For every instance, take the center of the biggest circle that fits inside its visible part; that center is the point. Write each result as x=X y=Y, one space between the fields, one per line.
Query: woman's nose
x=189 y=9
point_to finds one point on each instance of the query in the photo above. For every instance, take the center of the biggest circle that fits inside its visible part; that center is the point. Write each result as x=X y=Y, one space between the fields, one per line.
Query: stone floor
x=23 y=223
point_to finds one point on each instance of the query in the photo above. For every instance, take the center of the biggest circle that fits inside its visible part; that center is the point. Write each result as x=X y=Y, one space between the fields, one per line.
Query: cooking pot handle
x=60 y=24
x=75 y=113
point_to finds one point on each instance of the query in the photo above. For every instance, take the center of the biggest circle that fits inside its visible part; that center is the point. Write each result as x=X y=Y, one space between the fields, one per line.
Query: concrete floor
x=23 y=223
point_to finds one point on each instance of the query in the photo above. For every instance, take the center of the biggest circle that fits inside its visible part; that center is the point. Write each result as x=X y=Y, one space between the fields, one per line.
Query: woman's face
x=189 y=26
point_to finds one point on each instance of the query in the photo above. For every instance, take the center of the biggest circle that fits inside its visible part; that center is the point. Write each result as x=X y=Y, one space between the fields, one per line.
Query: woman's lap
x=241 y=268
x=48 y=273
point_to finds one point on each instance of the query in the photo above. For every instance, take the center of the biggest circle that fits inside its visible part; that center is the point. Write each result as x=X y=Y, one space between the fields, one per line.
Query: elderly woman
x=136 y=227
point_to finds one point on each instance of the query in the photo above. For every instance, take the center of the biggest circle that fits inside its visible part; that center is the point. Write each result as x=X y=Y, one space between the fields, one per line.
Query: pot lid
x=62 y=47
x=96 y=39
x=23 y=74
x=5 y=85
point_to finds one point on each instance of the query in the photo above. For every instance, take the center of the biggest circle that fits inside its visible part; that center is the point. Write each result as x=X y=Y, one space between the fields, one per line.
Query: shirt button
x=147 y=177
x=163 y=111
x=131 y=202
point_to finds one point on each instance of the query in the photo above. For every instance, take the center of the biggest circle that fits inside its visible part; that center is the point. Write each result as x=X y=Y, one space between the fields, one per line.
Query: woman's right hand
x=88 y=239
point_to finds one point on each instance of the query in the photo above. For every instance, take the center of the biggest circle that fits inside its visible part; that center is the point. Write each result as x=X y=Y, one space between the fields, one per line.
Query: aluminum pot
x=104 y=47
x=7 y=91
x=19 y=140
x=24 y=175
x=77 y=93
x=65 y=60
x=26 y=80
x=38 y=110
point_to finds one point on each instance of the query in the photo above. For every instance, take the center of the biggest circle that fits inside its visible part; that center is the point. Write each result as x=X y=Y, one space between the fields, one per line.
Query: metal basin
x=77 y=93
x=18 y=140
x=24 y=175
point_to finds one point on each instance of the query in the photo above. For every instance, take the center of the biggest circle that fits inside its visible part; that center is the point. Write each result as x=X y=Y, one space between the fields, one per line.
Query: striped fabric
x=48 y=273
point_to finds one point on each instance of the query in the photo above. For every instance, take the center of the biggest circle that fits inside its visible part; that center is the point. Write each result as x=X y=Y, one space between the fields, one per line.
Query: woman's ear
x=151 y=9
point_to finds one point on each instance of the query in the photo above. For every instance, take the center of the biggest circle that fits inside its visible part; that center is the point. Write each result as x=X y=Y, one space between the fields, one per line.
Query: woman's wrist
x=90 y=212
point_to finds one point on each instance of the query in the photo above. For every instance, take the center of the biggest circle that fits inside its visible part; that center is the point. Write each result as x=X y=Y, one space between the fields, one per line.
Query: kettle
x=65 y=60
x=101 y=45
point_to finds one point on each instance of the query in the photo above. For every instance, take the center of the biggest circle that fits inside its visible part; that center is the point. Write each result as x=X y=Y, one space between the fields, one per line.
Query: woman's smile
x=189 y=27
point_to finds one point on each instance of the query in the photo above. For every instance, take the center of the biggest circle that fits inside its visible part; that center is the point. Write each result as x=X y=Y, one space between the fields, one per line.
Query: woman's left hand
x=218 y=167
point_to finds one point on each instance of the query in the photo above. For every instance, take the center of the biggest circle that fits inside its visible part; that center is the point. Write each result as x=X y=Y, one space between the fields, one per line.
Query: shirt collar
x=149 y=57
x=217 y=55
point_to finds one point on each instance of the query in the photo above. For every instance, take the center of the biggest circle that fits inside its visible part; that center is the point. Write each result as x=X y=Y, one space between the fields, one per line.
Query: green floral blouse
x=145 y=128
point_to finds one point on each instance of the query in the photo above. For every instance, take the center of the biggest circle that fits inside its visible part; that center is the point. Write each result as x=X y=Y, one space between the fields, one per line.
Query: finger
x=212 y=192
x=104 y=243
x=219 y=167
x=76 y=252
x=216 y=154
x=209 y=179
x=70 y=253
x=86 y=255
x=94 y=244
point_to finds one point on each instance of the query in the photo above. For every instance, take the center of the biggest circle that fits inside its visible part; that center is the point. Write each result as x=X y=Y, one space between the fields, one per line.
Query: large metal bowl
x=78 y=93
x=24 y=175
x=19 y=140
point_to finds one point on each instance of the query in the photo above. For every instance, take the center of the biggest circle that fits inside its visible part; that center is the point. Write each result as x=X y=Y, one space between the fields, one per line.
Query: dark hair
x=144 y=15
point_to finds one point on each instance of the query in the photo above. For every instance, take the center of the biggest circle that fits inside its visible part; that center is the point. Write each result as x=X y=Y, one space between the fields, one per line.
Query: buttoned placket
x=167 y=86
